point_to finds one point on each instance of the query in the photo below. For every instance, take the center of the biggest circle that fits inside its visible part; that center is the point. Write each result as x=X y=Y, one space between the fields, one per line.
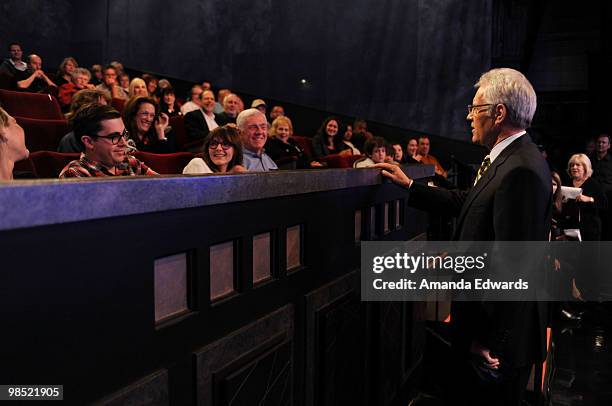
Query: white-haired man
x=495 y=344
x=253 y=128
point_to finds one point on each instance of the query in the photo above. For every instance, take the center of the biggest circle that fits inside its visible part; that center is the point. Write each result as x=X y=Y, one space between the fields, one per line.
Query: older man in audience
x=426 y=158
x=200 y=122
x=231 y=107
x=253 y=128
x=602 y=162
x=11 y=66
x=33 y=79
x=101 y=131
x=110 y=83
x=220 y=98
x=194 y=100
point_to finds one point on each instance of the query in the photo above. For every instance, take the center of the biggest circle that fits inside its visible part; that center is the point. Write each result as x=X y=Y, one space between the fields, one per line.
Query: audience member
x=137 y=87
x=282 y=147
x=124 y=82
x=590 y=146
x=151 y=82
x=96 y=74
x=65 y=71
x=276 y=112
x=206 y=85
x=425 y=158
x=326 y=140
x=602 y=164
x=12 y=145
x=101 y=131
x=118 y=67
x=220 y=99
x=222 y=152
x=584 y=211
x=376 y=152
x=168 y=103
x=34 y=79
x=80 y=80
x=398 y=153
x=360 y=133
x=346 y=139
x=200 y=122
x=148 y=129
x=111 y=85
x=231 y=109
x=11 y=66
x=69 y=143
x=253 y=127
x=260 y=105
x=194 y=100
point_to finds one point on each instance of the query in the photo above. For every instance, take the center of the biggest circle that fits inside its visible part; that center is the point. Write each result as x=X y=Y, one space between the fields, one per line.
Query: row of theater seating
x=44 y=125
x=49 y=164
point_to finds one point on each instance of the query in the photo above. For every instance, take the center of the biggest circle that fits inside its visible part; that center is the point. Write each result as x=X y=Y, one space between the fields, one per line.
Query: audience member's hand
x=316 y=164
x=394 y=173
x=585 y=199
x=485 y=354
x=346 y=152
x=418 y=157
x=162 y=122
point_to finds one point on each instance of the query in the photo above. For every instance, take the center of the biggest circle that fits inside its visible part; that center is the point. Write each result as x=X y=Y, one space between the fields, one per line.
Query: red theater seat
x=305 y=143
x=166 y=164
x=340 y=161
x=31 y=105
x=42 y=135
x=184 y=143
x=49 y=164
x=118 y=104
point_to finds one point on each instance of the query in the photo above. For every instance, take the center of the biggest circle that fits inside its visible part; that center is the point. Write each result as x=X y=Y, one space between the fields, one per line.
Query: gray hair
x=511 y=88
x=583 y=160
x=244 y=116
x=80 y=71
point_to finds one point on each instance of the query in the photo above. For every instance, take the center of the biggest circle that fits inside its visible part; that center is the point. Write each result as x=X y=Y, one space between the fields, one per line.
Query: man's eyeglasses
x=471 y=107
x=114 y=138
x=225 y=145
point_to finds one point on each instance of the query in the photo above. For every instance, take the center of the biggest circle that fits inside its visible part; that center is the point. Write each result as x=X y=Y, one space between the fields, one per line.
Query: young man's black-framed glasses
x=114 y=138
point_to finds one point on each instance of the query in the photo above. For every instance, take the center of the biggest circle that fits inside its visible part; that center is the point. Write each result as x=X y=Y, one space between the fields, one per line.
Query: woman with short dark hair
x=221 y=153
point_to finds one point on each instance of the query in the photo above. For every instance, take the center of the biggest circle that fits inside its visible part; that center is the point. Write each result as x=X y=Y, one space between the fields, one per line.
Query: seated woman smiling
x=222 y=152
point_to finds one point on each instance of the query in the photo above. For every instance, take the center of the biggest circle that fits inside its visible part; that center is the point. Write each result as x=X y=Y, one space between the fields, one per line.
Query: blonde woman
x=282 y=148
x=138 y=87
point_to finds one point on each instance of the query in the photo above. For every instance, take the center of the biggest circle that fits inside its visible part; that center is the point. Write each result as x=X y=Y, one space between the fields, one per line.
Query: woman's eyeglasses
x=214 y=144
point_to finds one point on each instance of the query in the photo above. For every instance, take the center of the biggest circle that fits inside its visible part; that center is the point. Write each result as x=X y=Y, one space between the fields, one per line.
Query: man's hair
x=86 y=96
x=107 y=67
x=372 y=144
x=4 y=118
x=224 y=133
x=12 y=44
x=201 y=96
x=29 y=57
x=359 y=120
x=511 y=88
x=604 y=135
x=88 y=120
x=244 y=116
x=422 y=137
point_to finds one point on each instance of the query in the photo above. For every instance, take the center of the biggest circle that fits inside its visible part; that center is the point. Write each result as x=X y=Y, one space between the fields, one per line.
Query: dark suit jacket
x=224 y=118
x=195 y=125
x=511 y=202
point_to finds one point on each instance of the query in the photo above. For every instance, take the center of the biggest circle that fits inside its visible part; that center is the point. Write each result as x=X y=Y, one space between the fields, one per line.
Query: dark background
x=407 y=63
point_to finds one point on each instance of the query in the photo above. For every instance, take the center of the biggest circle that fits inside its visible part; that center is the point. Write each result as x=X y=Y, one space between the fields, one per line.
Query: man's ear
x=87 y=141
x=501 y=113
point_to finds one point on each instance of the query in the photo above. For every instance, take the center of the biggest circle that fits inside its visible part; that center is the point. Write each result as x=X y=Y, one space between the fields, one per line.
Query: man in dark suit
x=496 y=343
x=200 y=122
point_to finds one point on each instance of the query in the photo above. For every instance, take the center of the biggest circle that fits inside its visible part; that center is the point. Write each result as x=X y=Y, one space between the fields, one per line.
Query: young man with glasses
x=101 y=132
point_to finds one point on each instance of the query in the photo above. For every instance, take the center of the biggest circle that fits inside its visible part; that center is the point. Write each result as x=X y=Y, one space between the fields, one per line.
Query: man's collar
x=500 y=146
x=253 y=154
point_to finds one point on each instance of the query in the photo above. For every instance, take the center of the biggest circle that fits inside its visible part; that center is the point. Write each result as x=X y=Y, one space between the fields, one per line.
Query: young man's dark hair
x=13 y=44
x=376 y=142
x=88 y=120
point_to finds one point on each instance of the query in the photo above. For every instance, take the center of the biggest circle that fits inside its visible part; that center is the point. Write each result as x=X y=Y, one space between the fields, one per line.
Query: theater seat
x=305 y=143
x=42 y=135
x=31 y=105
x=49 y=164
x=166 y=164
x=340 y=161
x=118 y=104
x=183 y=143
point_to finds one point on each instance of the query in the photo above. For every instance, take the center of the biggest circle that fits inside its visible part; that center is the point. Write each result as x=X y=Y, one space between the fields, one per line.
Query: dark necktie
x=486 y=162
